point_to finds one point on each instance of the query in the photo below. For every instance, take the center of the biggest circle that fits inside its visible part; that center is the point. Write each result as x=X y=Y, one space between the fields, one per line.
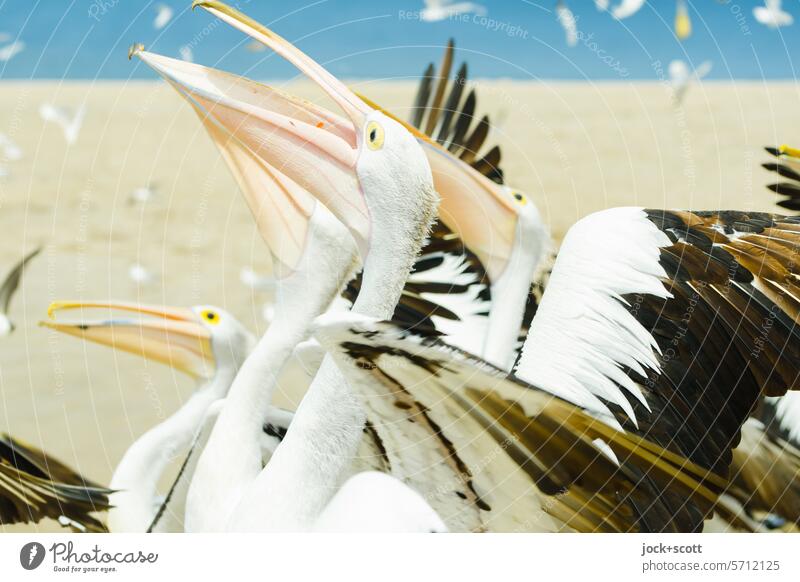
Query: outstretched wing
x=12 y=280
x=677 y=322
x=34 y=486
x=489 y=452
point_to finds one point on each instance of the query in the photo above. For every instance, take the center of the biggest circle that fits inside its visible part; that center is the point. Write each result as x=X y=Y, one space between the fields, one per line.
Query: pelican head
x=200 y=341
x=365 y=167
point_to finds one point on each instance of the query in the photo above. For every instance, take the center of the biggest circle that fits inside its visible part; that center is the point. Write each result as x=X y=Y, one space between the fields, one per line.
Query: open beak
x=313 y=148
x=170 y=335
x=281 y=207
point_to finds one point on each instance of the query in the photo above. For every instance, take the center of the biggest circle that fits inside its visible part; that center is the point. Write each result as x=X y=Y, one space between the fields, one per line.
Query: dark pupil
x=518 y=196
x=210 y=316
x=372 y=135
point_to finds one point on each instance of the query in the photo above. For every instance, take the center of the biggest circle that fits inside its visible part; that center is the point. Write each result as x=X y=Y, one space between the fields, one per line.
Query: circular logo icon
x=31 y=555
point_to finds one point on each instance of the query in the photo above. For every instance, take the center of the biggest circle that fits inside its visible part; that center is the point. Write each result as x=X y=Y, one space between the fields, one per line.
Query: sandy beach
x=574 y=148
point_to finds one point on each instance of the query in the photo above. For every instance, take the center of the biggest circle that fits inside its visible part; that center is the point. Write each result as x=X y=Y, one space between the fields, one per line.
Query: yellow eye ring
x=210 y=316
x=374 y=135
x=520 y=198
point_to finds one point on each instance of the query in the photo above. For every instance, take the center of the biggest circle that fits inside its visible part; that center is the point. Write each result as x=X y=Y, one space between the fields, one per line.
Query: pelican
x=436 y=10
x=510 y=245
x=772 y=14
x=34 y=486
x=649 y=323
x=8 y=289
x=373 y=176
x=205 y=342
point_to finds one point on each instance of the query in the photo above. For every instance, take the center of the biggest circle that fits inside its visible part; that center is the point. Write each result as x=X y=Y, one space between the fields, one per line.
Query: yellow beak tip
x=135 y=49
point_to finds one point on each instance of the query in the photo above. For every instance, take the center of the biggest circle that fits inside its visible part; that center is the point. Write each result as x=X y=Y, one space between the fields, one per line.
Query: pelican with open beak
x=496 y=223
x=371 y=173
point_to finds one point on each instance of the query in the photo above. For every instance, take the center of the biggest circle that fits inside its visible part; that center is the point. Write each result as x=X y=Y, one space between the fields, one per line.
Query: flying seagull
x=70 y=123
x=7 y=292
x=163 y=16
x=772 y=14
x=436 y=10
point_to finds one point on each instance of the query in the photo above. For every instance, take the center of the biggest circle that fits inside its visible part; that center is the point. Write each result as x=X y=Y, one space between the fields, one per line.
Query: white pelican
x=217 y=96
x=8 y=289
x=372 y=174
x=503 y=228
x=205 y=342
x=436 y=10
x=34 y=486
x=772 y=14
x=651 y=322
x=69 y=122
x=568 y=22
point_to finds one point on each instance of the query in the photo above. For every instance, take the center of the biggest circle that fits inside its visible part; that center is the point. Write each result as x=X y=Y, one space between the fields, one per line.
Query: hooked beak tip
x=135 y=49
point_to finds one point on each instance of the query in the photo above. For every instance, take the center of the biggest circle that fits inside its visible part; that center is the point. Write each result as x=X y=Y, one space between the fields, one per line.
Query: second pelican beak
x=173 y=336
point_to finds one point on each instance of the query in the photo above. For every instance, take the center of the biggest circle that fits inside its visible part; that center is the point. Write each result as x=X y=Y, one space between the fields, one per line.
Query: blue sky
x=88 y=39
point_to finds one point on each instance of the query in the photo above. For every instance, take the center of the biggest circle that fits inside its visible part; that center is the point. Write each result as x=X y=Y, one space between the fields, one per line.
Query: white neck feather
x=231 y=459
x=137 y=474
x=307 y=468
x=510 y=291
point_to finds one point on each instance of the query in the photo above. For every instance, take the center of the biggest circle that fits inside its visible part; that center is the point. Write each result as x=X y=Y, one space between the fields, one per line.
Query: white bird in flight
x=567 y=20
x=772 y=14
x=8 y=289
x=187 y=54
x=163 y=16
x=70 y=123
x=142 y=194
x=681 y=77
x=140 y=275
x=436 y=10
x=626 y=8
x=11 y=152
x=9 y=51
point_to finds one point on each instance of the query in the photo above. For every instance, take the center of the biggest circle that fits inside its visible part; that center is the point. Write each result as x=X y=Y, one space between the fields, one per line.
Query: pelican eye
x=374 y=135
x=521 y=198
x=210 y=316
